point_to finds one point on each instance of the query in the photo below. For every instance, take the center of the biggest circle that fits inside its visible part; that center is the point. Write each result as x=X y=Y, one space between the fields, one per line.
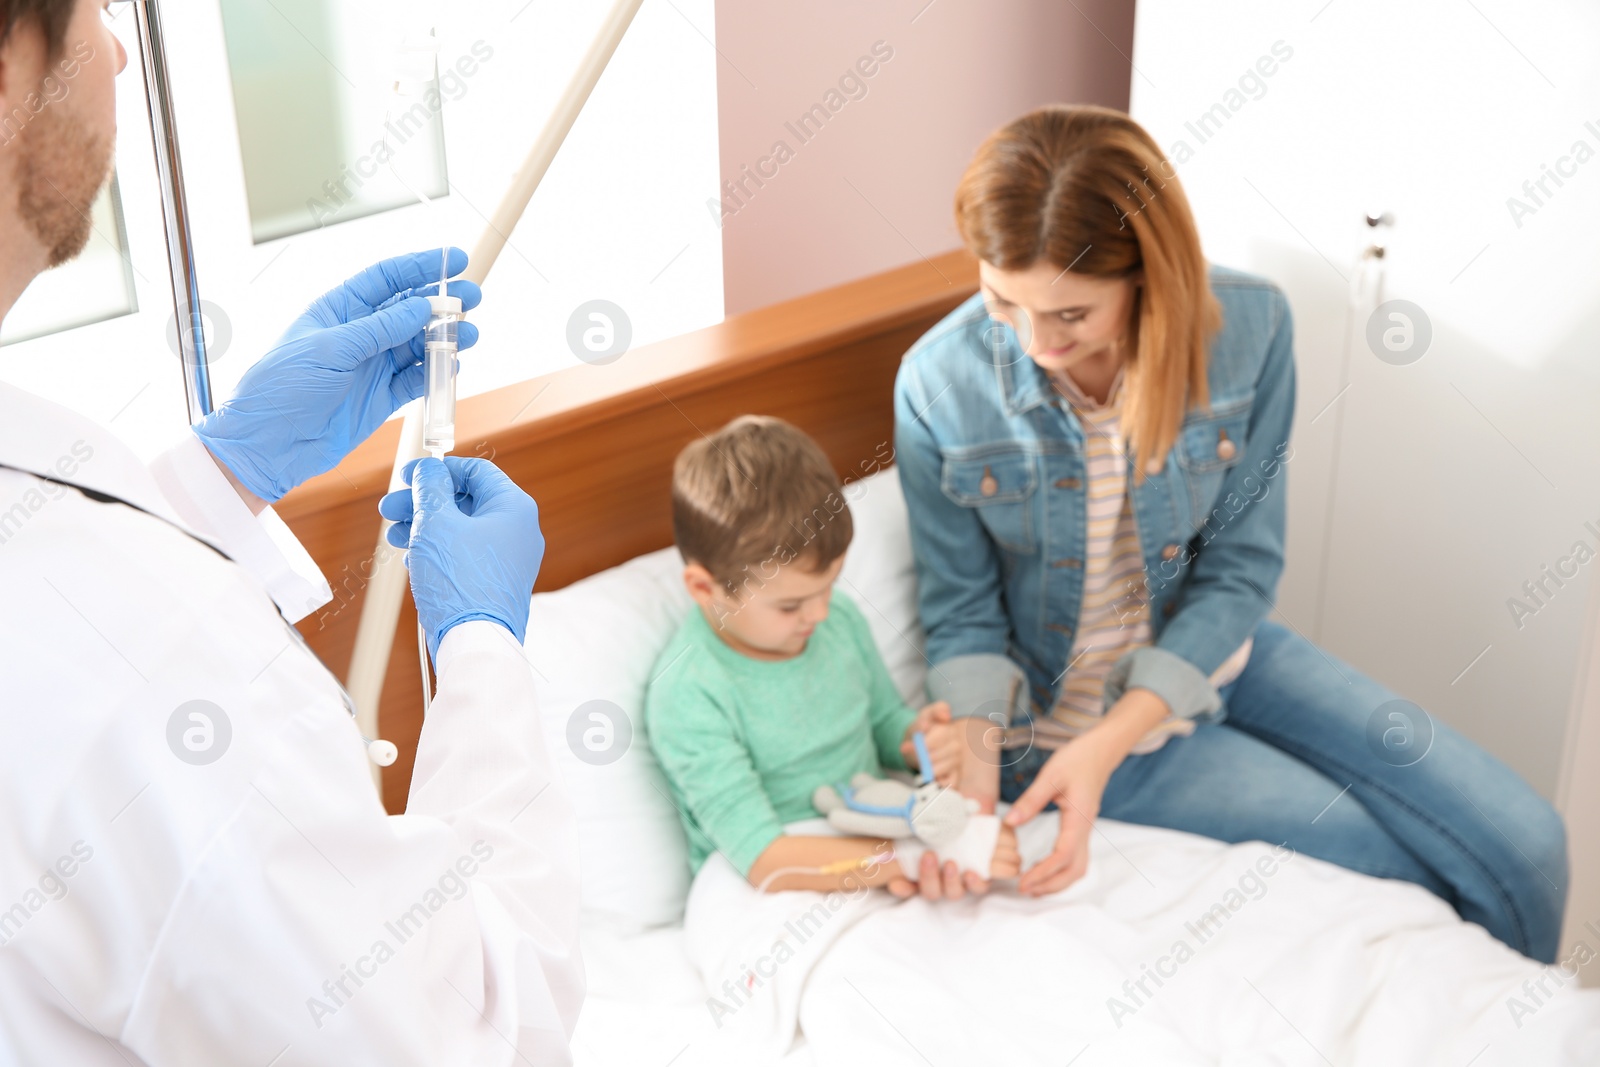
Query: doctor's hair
x=757 y=495
x=1086 y=189
x=50 y=16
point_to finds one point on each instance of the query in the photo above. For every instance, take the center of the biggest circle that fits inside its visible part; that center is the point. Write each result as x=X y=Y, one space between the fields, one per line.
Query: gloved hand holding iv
x=345 y=366
x=474 y=543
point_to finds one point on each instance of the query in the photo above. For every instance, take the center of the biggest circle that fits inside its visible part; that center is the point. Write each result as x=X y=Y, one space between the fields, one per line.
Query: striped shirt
x=1115 y=614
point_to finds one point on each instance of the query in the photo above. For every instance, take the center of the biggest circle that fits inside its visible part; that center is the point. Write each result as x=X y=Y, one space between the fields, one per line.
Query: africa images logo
x=199 y=732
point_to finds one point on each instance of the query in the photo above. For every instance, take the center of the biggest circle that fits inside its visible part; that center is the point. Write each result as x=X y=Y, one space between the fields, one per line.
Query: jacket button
x=1168 y=608
x=987 y=486
x=1071 y=561
x=1170 y=552
x=1067 y=483
x=1225 y=447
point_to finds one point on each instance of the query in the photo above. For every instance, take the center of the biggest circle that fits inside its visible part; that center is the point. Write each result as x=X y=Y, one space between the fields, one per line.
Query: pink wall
x=871 y=189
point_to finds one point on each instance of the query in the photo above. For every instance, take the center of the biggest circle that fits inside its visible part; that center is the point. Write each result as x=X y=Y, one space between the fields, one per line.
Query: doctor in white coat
x=194 y=865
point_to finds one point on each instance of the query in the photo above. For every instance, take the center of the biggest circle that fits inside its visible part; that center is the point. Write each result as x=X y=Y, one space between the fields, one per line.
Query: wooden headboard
x=594 y=446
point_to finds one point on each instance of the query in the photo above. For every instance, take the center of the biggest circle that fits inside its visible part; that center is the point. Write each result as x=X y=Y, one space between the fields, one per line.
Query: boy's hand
x=1007 y=861
x=943 y=739
x=947 y=882
x=934 y=882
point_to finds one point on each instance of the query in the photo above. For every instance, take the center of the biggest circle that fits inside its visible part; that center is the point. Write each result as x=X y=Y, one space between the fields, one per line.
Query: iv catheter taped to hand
x=972 y=851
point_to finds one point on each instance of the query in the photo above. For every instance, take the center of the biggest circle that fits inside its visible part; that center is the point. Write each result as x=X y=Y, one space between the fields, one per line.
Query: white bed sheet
x=646 y=1003
x=1321 y=966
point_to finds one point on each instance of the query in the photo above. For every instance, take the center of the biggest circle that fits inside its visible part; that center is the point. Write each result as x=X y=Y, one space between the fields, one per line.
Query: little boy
x=765 y=693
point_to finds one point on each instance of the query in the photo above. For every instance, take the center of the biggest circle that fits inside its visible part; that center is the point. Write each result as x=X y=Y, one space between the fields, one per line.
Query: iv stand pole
x=174 y=213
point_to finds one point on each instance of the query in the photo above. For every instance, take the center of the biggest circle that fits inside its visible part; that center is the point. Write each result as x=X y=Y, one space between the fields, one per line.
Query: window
x=317 y=129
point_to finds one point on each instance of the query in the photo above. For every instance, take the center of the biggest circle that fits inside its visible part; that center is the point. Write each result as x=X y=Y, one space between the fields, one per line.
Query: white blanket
x=1174 y=949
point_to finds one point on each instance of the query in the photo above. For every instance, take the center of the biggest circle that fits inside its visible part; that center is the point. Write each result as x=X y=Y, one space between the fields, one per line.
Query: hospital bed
x=1331 y=967
x=1321 y=965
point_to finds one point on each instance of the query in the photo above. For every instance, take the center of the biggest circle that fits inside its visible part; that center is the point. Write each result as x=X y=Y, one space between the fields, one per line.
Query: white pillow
x=880 y=576
x=592 y=646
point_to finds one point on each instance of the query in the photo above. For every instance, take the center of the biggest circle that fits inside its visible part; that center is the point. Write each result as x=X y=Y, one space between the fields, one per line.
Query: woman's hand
x=1075 y=778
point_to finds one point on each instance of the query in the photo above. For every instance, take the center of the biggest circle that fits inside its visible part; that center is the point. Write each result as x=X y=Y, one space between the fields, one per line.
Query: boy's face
x=771 y=619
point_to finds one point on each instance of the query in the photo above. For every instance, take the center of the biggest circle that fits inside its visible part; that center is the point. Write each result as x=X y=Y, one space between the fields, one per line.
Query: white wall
x=620 y=215
x=1424 y=497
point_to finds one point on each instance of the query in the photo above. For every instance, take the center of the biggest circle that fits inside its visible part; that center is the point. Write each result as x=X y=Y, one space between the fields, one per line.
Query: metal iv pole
x=174 y=212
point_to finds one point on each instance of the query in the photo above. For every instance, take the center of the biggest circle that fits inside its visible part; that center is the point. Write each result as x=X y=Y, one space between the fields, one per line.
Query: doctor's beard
x=60 y=171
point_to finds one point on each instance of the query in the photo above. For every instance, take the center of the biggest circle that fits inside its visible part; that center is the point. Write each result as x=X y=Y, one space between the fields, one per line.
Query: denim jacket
x=991 y=462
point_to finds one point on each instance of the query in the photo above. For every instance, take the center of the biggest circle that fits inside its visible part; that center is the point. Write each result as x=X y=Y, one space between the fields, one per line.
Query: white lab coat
x=262 y=908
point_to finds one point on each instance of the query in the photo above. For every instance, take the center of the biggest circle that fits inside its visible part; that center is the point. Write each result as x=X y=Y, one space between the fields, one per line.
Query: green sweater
x=745 y=742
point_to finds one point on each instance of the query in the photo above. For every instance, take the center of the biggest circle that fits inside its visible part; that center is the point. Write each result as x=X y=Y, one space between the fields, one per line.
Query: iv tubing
x=876 y=859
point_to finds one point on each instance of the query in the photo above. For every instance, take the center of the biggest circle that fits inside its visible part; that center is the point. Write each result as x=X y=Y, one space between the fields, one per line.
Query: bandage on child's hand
x=974 y=850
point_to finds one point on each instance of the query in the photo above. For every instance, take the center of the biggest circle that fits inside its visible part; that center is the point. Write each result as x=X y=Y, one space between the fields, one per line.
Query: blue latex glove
x=343 y=368
x=474 y=543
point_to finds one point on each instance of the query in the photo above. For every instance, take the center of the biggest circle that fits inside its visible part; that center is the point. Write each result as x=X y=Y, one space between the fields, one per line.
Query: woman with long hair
x=1094 y=451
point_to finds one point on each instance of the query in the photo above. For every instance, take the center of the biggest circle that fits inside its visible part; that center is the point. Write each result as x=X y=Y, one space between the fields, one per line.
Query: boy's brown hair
x=757 y=495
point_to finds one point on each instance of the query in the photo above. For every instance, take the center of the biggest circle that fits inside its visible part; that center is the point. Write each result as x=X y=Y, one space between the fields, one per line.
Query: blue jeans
x=1301 y=755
